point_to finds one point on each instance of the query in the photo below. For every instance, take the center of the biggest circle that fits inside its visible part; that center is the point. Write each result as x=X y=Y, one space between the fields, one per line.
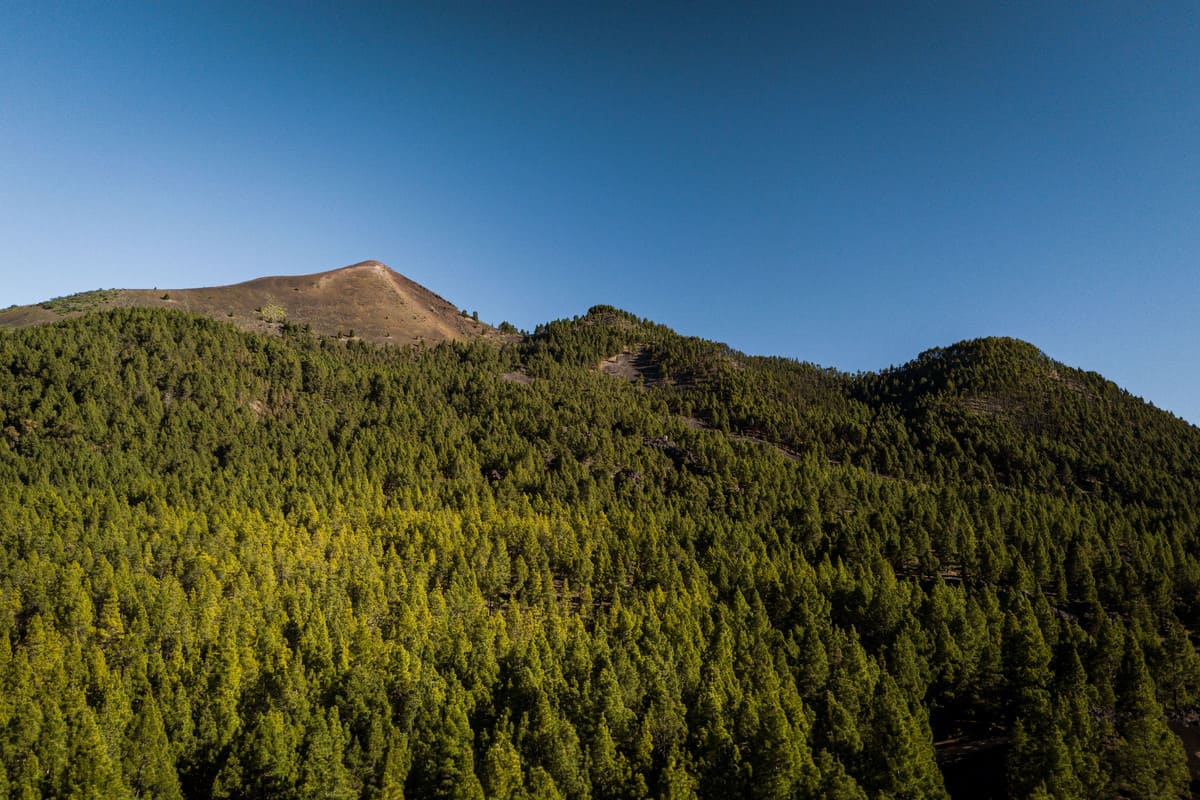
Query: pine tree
x=323 y=772
x=676 y=780
x=502 y=777
x=608 y=768
x=149 y=766
x=901 y=761
x=396 y=765
x=1149 y=760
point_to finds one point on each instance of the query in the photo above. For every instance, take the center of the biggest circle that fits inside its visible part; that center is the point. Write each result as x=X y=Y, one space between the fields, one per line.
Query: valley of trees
x=241 y=566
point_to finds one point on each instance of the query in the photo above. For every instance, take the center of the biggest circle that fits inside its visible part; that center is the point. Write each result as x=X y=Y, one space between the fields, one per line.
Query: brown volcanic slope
x=370 y=300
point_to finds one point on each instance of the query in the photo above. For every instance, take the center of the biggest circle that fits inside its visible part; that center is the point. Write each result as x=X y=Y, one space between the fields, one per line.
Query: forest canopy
x=245 y=566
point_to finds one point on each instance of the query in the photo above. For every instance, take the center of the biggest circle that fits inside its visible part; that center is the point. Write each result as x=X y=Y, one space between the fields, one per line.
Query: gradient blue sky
x=847 y=184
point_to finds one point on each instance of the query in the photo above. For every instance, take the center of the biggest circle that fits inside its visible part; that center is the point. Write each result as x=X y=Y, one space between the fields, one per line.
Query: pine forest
x=237 y=565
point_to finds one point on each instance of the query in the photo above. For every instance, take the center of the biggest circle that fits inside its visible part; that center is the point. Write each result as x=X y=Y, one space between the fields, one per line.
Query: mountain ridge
x=1005 y=379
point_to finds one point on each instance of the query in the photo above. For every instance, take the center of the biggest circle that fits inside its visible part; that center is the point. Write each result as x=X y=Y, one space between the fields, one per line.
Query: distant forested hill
x=604 y=562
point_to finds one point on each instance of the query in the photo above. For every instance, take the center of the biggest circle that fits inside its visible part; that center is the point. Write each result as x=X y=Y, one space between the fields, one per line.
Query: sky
x=844 y=183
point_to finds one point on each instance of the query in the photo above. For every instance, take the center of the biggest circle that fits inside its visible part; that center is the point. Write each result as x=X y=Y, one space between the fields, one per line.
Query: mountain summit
x=367 y=301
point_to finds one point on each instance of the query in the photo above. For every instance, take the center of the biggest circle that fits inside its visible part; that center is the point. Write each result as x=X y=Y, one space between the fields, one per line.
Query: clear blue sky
x=847 y=184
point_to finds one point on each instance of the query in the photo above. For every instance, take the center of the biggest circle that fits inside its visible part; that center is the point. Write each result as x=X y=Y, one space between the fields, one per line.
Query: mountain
x=366 y=301
x=600 y=561
x=991 y=394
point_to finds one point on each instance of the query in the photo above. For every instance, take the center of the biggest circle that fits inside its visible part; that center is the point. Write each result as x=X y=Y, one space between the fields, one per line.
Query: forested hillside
x=242 y=566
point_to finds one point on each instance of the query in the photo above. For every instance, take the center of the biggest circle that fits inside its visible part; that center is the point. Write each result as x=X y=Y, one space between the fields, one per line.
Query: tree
x=901 y=760
x=149 y=767
x=323 y=772
x=1149 y=760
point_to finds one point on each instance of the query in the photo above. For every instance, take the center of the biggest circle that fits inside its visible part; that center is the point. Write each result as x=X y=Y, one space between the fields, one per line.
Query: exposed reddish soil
x=365 y=301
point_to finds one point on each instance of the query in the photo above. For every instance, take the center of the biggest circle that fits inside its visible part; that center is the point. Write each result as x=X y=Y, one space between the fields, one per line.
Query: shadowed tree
x=1149 y=760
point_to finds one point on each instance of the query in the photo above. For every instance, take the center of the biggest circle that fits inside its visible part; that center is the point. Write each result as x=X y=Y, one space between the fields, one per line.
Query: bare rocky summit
x=367 y=301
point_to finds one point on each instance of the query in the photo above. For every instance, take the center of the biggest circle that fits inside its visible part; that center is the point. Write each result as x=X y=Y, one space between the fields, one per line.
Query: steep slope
x=367 y=301
x=236 y=565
